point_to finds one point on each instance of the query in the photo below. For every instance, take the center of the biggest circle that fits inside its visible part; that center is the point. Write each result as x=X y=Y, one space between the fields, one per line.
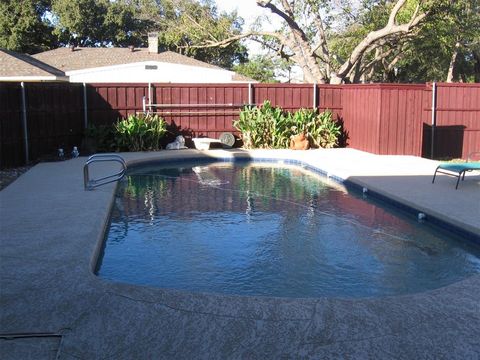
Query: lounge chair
x=458 y=169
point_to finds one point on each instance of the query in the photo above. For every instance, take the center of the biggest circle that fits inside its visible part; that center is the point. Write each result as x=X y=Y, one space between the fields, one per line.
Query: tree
x=264 y=69
x=446 y=46
x=183 y=24
x=309 y=26
x=180 y=23
x=98 y=22
x=441 y=49
x=23 y=26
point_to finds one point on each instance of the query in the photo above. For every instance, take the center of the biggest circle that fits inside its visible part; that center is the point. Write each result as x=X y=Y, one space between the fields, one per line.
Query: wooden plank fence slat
x=380 y=118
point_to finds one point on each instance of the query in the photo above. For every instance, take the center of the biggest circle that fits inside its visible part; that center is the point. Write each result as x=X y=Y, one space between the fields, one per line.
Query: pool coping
x=48 y=286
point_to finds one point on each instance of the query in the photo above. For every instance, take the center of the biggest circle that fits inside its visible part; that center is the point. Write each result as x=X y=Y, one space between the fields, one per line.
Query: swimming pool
x=271 y=230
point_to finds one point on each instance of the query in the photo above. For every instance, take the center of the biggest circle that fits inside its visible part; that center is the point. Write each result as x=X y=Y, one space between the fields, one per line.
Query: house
x=134 y=65
x=112 y=65
x=21 y=67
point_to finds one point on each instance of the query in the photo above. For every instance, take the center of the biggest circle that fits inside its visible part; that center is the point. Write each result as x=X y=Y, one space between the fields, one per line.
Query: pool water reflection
x=261 y=229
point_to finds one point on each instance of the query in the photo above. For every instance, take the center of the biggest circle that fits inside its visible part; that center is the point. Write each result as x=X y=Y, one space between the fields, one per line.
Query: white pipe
x=196 y=105
x=149 y=96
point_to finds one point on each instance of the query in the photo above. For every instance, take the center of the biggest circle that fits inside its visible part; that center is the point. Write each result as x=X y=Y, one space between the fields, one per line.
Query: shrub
x=301 y=121
x=270 y=127
x=99 y=138
x=321 y=129
x=324 y=131
x=261 y=126
x=139 y=132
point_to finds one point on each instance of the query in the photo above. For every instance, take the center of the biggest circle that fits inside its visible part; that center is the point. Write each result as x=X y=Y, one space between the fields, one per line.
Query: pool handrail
x=91 y=184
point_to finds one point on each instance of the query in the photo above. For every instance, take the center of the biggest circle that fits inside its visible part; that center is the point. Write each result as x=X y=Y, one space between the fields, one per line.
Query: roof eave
x=34 y=78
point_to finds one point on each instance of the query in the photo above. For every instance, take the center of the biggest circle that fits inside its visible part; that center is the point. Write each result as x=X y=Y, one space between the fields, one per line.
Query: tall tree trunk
x=453 y=60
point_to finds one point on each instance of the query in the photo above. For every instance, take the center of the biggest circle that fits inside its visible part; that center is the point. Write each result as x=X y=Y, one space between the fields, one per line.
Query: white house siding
x=164 y=73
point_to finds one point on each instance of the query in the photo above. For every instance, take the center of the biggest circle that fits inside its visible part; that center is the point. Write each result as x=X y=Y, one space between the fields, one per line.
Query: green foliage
x=139 y=132
x=262 y=68
x=99 y=138
x=191 y=27
x=136 y=186
x=185 y=24
x=320 y=128
x=23 y=27
x=424 y=55
x=269 y=127
x=269 y=182
x=261 y=126
x=97 y=22
x=33 y=26
x=323 y=130
x=452 y=26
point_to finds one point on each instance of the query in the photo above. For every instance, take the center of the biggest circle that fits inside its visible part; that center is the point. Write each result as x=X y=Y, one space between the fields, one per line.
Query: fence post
x=85 y=106
x=434 y=118
x=314 y=96
x=250 y=97
x=24 y=122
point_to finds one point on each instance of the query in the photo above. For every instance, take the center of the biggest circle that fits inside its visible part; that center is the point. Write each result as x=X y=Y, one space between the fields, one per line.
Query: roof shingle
x=84 y=58
x=13 y=64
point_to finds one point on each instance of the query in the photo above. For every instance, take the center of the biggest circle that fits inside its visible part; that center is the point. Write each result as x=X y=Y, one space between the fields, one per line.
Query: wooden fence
x=39 y=118
x=458 y=120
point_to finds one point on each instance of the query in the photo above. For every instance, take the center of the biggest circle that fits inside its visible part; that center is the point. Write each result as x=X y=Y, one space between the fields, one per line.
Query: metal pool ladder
x=91 y=184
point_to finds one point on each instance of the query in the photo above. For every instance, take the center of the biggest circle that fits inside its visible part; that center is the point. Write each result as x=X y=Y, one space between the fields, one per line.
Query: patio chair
x=458 y=169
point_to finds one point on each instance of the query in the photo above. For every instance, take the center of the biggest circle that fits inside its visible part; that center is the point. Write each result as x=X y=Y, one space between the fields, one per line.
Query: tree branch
x=322 y=41
x=288 y=19
x=390 y=29
x=394 y=13
x=231 y=39
x=297 y=41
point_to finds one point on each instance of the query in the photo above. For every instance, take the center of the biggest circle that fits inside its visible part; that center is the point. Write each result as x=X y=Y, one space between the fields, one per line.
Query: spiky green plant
x=323 y=130
x=267 y=126
x=261 y=126
x=140 y=132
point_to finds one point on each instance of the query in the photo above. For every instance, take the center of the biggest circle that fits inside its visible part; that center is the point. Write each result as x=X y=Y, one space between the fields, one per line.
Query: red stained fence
x=396 y=119
x=12 y=151
x=458 y=120
x=51 y=118
x=200 y=110
x=204 y=109
x=384 y=118
x=379 y=118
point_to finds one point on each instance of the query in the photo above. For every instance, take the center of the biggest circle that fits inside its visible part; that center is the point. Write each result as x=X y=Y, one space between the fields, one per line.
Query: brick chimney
x=153 y=42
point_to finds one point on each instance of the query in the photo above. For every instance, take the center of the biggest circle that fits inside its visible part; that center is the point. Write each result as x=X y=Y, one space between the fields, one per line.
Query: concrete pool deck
x=52 y=306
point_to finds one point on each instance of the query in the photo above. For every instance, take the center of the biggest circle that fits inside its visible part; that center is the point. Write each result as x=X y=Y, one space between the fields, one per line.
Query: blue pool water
x=251 y=229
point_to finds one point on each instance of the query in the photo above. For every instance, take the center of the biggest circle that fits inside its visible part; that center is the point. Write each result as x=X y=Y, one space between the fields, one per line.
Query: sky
x=249 y=11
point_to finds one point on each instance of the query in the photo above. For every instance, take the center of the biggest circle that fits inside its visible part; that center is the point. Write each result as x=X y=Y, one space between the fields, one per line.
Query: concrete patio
x=52 y=306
